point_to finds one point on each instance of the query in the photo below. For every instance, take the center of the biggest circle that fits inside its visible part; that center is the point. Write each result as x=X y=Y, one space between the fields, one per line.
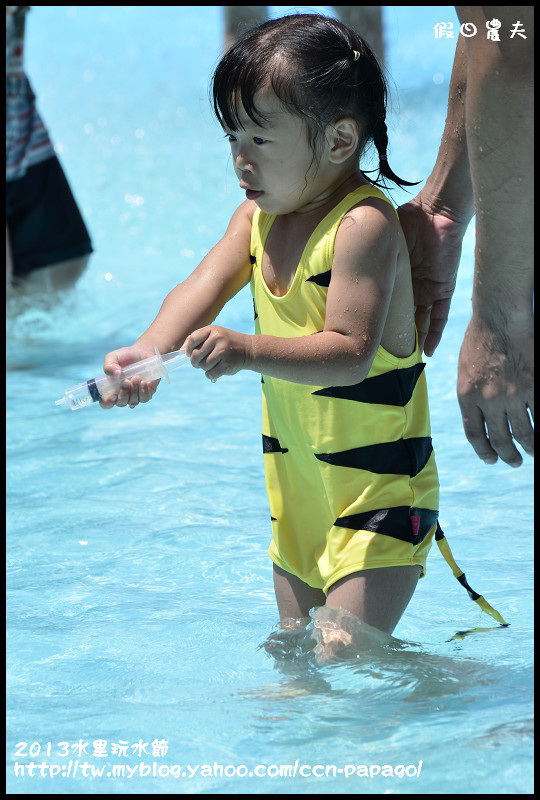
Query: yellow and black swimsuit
x=350 y=470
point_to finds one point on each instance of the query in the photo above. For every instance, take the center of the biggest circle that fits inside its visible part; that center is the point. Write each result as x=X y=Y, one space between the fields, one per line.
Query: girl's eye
x=257 y=139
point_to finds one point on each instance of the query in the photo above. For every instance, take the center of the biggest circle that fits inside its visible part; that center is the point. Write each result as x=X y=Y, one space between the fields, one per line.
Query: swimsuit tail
x=444 y=547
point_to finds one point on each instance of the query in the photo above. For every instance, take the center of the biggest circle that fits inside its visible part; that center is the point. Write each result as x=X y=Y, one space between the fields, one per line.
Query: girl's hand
x=132 y=391
x=218 y=351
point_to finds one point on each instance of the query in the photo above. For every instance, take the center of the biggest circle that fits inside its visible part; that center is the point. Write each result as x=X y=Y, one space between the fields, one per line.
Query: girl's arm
x=194 y=302
x=199 y=299
x=363 y=276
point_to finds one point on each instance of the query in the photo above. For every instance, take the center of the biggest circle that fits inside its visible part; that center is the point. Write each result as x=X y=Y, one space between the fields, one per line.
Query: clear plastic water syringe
x=103 y=386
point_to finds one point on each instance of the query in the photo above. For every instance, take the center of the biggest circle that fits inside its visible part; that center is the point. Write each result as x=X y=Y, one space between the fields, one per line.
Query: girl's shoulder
x=372 y=214
x=373 y=218
x=248 y=207
x=371 y=197
x=244 y=214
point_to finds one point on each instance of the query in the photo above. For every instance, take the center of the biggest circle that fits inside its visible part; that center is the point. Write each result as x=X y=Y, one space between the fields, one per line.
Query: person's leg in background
x=239 y=19
x=367 y=22
x=9 y=261
x=56 y=277
x=47 y=243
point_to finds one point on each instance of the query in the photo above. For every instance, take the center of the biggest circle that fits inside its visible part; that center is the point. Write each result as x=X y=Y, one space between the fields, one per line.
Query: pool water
x=139 y=588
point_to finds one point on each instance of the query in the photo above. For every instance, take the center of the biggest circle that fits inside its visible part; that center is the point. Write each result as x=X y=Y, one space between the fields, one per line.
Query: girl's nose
x=242 y=164
x=242 y=161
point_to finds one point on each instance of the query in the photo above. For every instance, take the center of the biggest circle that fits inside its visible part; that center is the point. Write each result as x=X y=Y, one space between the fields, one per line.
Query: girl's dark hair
x=319 y=68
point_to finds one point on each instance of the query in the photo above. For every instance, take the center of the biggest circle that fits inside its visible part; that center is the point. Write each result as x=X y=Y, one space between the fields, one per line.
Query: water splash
x=341 y=635
x=328 y=635
x=333 y=644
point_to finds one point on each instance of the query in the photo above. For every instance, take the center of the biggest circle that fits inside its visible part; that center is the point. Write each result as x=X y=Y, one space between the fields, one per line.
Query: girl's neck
x=332 y=195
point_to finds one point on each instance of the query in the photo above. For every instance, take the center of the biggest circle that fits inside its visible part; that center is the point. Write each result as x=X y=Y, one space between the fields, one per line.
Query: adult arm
x=495 y=372
x=435 y=221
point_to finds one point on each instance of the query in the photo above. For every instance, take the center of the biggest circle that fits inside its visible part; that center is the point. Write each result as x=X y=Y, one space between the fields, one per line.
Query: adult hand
x=434 y=244
x=495 y=389
x=131 y=391
x=219 y=351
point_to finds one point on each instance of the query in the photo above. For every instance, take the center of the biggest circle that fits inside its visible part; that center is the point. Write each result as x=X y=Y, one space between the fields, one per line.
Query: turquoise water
x=139 y=589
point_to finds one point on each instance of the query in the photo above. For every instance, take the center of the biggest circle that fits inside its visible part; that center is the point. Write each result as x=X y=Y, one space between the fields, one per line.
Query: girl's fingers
x=123 y=394
x=212 y=371
x=201 y=354
x=130 y=391
x=134 y=395
x=112 y=368
x=143 y=392
x=195 y=339
x=146 y=391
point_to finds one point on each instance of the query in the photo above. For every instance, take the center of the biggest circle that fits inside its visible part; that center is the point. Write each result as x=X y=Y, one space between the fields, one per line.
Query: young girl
x=350 y=470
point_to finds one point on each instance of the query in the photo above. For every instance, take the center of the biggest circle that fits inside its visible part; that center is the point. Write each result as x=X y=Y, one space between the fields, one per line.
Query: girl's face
x=275 y=163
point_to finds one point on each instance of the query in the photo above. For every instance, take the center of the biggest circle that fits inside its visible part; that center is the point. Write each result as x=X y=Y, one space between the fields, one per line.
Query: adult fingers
x=491 y=436
x=437 y=324
x=475 y=431
x=500 y=439
x=421 y=319
x=522 y=429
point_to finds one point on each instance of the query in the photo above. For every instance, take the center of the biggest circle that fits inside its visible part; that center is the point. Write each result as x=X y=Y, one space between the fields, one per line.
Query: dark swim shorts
x=44 y=222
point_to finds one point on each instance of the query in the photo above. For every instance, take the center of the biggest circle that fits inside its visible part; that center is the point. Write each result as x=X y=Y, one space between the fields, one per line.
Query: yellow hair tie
x=356 y=55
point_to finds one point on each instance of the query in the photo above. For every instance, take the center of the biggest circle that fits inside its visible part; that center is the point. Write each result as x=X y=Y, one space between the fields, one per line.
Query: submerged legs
x=368 y=603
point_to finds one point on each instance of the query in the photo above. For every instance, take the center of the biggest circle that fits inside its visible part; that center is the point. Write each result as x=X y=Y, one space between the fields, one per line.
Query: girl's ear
x=342 y=137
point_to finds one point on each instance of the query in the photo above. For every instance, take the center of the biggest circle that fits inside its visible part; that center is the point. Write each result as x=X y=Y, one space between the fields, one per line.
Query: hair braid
x=380 y=140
